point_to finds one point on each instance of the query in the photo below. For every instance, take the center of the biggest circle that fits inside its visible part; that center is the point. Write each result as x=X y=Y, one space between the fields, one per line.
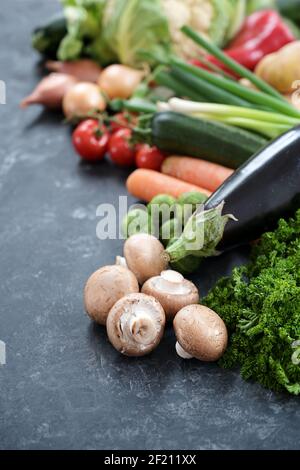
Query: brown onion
x=119 y=81
x=82 y=99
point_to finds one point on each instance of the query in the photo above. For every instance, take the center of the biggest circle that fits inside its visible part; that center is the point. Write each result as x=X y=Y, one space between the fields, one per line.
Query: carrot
x=196 y=171
x=146 y=184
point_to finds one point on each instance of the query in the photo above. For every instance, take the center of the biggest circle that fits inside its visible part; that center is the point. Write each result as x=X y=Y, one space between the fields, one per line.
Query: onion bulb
x=82 y=99
x=84 y=70
x=50 y=91
x=119 y=81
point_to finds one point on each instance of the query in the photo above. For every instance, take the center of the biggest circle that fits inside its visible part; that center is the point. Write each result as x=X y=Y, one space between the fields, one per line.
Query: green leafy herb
x=260 y=304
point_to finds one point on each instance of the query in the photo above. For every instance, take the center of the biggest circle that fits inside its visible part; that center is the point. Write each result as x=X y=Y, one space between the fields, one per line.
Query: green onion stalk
x=270 y=124
x=255 y=97
x=230 y=63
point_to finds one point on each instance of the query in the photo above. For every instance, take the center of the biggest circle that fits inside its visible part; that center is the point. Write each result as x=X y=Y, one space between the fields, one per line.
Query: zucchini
x=213 y=141
x=47 y=38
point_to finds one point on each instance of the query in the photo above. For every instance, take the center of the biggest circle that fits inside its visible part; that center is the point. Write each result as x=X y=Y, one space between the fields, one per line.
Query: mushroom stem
x=135 y=324
x=181 y=352
x=172 y=282
x=172 y=291
x=121 y=261
x=172 y=276
x=142 y=328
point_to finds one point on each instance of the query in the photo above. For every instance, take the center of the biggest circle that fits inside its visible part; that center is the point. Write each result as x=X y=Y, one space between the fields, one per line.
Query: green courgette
x=183 y=135
x=47 y=38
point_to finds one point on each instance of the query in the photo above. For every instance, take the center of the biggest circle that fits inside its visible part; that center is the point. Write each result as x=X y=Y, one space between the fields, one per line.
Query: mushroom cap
x=135 y=324
x=145 y=256
x=172 y=291
x=201 y=332
x=105 y=287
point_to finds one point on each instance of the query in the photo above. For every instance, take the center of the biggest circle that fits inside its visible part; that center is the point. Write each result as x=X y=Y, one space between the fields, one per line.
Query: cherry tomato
x=121 y=121
x=90 y=140
x=149 y=157
x=122 y=152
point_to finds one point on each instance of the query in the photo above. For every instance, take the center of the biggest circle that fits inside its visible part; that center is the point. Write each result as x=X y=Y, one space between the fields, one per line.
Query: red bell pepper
x=263 y=32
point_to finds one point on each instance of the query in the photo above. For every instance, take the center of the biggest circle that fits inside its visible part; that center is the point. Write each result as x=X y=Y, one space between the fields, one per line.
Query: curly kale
x=260 y=304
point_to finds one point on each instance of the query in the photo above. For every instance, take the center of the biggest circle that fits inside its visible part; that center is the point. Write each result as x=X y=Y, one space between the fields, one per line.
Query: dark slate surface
x=63 y=385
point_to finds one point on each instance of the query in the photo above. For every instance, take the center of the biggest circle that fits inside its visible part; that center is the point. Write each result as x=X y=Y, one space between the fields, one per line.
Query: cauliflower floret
x=196 y=13
x=178 y=12
x=208 y=17
x=202 y=16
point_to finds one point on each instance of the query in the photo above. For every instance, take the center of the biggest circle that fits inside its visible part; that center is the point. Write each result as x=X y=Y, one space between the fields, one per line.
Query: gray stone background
x=63 y=386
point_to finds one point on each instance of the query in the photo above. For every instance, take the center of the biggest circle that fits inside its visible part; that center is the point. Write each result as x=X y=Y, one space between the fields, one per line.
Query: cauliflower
x=211 y=18
x=195 y=13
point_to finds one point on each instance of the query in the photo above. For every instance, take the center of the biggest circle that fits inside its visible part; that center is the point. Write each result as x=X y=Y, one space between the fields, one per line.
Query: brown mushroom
x=172 y=291
x=104 y=288
x=200 y=333
x=135 y=324
x=145 y=256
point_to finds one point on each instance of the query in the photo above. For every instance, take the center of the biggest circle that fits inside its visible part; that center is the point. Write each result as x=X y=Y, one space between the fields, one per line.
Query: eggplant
x=263 y=190
x=259 y=193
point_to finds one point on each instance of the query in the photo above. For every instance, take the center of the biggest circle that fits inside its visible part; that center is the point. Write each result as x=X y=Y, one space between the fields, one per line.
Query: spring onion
x=164 y=78
x=260 y=99
x=232 y=64
x=211 y=92
x=267 y=123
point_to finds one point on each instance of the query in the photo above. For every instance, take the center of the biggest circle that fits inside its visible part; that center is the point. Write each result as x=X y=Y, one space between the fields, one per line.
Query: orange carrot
x=146 y=184
x=196 y=171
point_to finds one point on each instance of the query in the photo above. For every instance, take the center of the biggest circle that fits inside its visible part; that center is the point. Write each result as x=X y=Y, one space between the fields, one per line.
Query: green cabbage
x=129 y=27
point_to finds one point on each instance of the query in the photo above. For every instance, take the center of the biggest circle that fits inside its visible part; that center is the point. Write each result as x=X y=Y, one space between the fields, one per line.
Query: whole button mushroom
x=200 y=333
x=135 y=324
x=145 y=256
x=105 y=287
x=172 y=291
